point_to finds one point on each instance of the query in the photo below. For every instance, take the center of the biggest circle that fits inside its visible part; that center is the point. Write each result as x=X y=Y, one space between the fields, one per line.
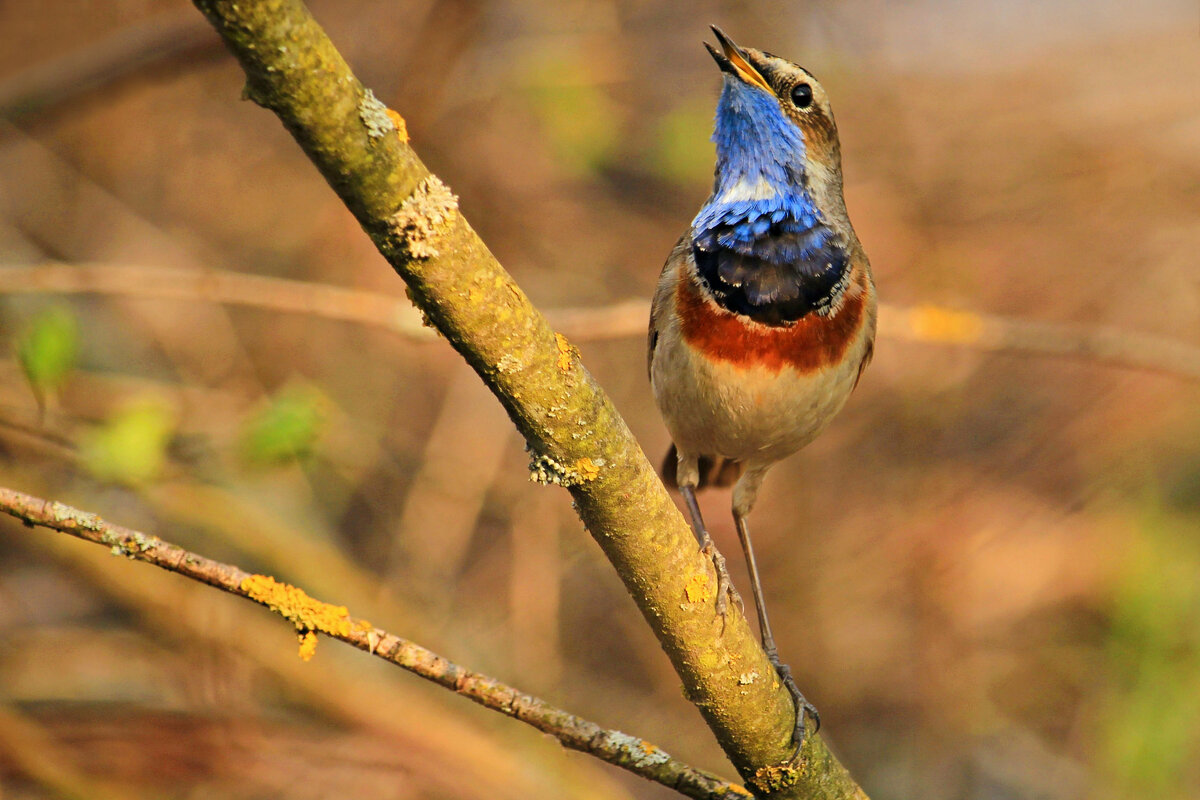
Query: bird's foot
x=803 y=707
x=725 y=590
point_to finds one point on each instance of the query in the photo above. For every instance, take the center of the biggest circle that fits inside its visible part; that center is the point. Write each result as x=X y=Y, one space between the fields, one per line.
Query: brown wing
x=651 y=343
x=662 y=293
x=862 y=365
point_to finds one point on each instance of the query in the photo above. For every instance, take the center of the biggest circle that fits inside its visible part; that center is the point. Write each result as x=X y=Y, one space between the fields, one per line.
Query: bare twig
x=234 y=288
x=29 y=169
x=457 y=470
x=125 y=52
x=311 y=616
x=1097 y=343
x=626 y=318
x=399 y=713
x=36 y=754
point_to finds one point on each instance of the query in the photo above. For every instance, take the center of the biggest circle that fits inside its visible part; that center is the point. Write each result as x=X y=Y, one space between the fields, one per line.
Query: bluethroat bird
x=764 y=315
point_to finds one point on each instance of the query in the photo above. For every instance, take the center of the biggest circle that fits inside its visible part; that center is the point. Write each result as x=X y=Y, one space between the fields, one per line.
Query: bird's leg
x=768 y=639
x=725 y=588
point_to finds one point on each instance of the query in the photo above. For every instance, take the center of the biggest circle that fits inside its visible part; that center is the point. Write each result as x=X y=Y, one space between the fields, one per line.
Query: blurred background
x=986 y=574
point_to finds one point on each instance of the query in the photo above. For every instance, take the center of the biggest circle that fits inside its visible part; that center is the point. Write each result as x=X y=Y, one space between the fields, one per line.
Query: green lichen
x=424 y=217
x=130 y=544
x=374 y=116
x=66 y=515
x=639 y=752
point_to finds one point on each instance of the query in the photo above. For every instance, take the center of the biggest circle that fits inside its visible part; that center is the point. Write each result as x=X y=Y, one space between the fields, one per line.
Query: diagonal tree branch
x=575 y=434
x=311 y=616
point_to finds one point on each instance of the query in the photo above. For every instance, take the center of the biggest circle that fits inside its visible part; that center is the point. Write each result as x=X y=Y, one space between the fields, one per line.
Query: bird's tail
x=714 y=470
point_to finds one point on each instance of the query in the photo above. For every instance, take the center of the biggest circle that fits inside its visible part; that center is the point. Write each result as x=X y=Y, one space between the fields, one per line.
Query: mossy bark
x=577 y=438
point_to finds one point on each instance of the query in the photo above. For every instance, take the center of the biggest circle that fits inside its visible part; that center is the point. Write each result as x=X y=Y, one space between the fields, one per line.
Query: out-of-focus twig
x=1100 y=343
x=125 y=52
x=45 y=197
x=626 y=318
x=35 y=753
x=311 y=616
x=359 y=306
x=459 y=464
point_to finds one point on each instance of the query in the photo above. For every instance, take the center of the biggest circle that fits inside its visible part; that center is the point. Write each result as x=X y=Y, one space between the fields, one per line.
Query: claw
x=725 y=589
x=803 y=707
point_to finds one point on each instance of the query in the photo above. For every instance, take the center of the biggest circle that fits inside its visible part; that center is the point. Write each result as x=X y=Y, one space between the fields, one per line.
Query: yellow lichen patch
x=548 y=470
x=698 y=589
x=934 y=324
x=588 y=470
x=567 y=352
x=308 y=645
x=773 y=778
x=401 y=125
x=294 y=604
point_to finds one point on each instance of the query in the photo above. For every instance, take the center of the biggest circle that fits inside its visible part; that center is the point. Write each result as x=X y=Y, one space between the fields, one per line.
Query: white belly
x=753 y=414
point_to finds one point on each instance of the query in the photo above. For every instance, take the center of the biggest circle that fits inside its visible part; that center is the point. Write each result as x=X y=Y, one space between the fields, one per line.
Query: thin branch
x=117 y=55
x=1098 y=343
x=626 y=318
x=375 y=309
x=34 y=752
x=310 y=616
x=174 y=609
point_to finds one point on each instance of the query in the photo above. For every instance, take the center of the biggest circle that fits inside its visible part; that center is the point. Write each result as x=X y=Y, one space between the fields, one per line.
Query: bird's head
x=774 y=129
x=773 y=242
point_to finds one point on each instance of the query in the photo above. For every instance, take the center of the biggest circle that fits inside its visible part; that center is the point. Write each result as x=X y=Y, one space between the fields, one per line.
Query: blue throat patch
x=761 y=245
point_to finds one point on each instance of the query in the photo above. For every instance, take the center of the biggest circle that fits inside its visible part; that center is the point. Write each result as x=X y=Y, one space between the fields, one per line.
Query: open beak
x=731 y=59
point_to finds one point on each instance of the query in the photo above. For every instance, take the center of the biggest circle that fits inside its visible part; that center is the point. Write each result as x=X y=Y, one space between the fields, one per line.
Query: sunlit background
x=986 y=574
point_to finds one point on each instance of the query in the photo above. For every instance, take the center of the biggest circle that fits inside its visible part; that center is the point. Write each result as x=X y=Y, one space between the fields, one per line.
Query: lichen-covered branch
x=577 y=438
x=311 y=616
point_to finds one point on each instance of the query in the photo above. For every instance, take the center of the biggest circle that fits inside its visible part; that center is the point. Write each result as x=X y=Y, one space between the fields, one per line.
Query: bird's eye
x=802 y=95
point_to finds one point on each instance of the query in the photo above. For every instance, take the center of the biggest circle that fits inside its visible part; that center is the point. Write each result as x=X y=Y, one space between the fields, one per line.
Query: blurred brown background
x=986 y=574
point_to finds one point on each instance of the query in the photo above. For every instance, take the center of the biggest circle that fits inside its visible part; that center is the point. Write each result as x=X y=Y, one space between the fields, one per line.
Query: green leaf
x=47 y=349
x=1148 y=733
x=286 y=428
x=130 y=447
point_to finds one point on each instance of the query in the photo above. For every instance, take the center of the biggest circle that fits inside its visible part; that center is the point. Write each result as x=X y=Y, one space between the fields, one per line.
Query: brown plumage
x=714 y=470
